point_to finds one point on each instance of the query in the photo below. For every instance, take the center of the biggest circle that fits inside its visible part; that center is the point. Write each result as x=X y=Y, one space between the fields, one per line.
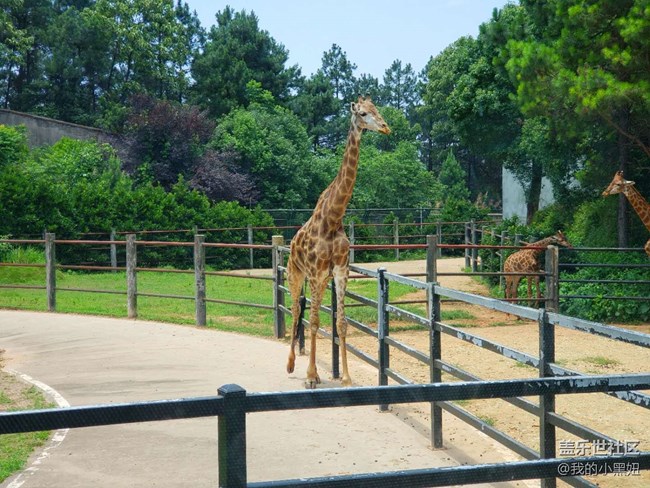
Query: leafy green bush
x=603 y=309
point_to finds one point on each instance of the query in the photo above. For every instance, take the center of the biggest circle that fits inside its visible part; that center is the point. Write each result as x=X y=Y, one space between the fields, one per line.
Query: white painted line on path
x=57 y=438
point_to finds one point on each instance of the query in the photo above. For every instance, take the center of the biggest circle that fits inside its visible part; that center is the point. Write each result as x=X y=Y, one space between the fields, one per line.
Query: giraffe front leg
x=341 y=281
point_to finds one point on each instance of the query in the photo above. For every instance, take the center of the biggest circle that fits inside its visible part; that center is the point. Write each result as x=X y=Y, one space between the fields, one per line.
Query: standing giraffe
x=527 y=261
x=319 y=250
x=642 y=207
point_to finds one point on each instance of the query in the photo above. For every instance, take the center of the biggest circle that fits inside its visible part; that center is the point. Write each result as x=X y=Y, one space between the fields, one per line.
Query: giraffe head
x=366 y=116
x=618 y=185
x=559 y=239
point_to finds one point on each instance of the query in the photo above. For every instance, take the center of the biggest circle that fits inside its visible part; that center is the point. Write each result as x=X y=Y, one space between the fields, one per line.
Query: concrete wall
x=42 y=131
x=514 y=199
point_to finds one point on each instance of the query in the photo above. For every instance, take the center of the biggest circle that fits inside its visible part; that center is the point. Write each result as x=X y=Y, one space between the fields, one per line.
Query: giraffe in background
x=642 y=207
x=526 y=261
x=319 y=250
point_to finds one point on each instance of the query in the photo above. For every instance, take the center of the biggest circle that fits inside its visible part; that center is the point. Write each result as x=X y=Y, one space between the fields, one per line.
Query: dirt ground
x=578 y=351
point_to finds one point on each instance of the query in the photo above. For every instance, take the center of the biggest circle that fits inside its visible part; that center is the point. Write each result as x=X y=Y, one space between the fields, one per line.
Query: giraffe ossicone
x=320 y=248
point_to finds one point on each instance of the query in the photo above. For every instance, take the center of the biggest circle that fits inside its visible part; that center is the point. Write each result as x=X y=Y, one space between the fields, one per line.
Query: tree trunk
x=622 y=217
x=534 y=191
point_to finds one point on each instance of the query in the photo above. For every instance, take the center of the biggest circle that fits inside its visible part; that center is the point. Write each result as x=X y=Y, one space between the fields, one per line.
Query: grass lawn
x=235 y=318
x=15 y=449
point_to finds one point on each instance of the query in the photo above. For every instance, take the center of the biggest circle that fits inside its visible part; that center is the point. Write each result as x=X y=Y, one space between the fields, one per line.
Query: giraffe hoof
x=310 y=383
x=346 y=381
x=290 y=367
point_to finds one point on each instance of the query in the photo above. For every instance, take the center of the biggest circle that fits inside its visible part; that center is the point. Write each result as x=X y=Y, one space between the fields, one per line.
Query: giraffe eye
x=363 y=114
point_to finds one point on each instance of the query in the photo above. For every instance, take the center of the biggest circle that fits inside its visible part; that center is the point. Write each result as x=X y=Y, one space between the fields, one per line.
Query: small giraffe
x=526 y=261
x=319 y=250
x=642 y=207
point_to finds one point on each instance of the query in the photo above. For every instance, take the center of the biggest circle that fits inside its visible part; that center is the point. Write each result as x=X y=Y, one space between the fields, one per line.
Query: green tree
x=585 y=68
x=339 y=71
x=393 y=179
x=316 y=105
x=400 y=87
x=275 y=150
x=13 y=145
x=236 y=52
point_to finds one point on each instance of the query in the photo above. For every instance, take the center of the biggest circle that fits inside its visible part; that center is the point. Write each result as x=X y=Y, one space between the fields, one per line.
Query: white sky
x=373 y=33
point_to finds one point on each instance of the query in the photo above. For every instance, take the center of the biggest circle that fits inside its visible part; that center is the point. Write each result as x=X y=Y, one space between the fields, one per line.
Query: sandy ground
x=578 y=351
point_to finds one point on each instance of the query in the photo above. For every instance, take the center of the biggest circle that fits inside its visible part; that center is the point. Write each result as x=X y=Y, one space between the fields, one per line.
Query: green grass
x=601 y=361
x=15 y=449
x=234 y=318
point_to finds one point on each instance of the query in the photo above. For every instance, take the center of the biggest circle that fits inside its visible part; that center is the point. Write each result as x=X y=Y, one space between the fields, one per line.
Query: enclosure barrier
x=547 y=320
x=233 y=403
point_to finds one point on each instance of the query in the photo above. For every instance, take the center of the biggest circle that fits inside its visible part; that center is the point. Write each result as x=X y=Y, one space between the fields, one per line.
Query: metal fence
x=233 y=403
x=546 y=319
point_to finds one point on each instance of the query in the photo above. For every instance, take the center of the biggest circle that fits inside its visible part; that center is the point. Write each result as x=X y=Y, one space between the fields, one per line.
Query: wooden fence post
x=351 y=237
x=382 y=330
x=199 y=278
x=50 y=271
x=547 y=434
x=396 y=237
x=131 y=277
x=552 y=302
x=250 y=243
x=113 y=250
x=278 y=281
x=232 y=438
x=435 y=354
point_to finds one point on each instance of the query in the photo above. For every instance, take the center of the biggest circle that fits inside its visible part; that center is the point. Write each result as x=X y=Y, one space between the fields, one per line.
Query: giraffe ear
x=353 y=108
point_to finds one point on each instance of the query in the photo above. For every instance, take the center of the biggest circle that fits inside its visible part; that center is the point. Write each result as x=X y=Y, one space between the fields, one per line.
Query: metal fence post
x=435 y=354
x=432 y=259
x=547 y=435
x=502 y=256
x=382 y=330
x=474 y=250
x=278 y=281
x=131 y=277
x=335 y=334
x=552 y=292
x=250 y=243
x=396 y=237
x=351 y=237
x=467 y=242
x=50 y=271
x=113 y=250
x=439 y=235
x=232 y=438
x=199 y=279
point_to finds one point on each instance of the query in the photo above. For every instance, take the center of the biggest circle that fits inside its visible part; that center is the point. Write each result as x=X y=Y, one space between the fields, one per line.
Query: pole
x=199 y=279
x=131 y=277
x=50 y=271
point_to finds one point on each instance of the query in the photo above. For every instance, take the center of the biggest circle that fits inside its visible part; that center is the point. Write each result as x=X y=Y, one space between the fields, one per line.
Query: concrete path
x=91 y=360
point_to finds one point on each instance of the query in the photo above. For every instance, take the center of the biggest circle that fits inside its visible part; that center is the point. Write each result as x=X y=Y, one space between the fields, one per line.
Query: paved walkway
x=91 y=360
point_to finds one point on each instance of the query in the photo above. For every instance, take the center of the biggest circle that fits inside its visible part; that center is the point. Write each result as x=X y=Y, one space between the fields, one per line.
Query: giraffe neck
x=639 y=203
x=541 y=243
x=334 y=201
